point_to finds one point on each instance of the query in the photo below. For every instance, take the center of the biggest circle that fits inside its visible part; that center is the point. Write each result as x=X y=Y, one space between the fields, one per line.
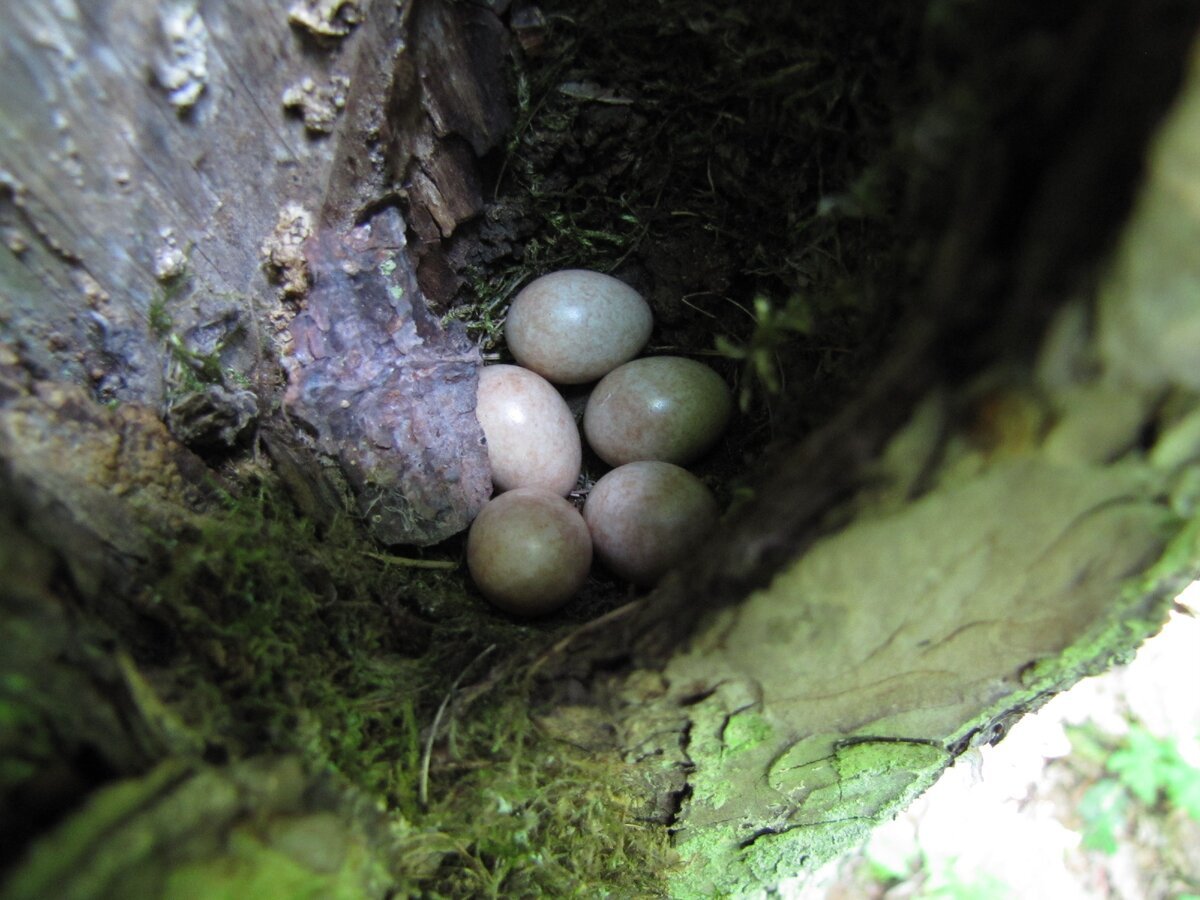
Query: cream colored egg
x=645 y=517
x=662 y=407
x=531 y=435
x=528 y=551
x=575 y=326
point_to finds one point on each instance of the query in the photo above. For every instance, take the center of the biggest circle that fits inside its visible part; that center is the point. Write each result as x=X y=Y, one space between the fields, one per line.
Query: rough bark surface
x=163 y=166
x=389 y=393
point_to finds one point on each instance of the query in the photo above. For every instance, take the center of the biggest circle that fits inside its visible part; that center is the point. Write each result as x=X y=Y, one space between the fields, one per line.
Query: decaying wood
x=894 y=596
x=307 y=830
x=388 y=391
x=162 y=167
x=170 y=234
x=98 y=485
x=97 y=491
x=976 y=532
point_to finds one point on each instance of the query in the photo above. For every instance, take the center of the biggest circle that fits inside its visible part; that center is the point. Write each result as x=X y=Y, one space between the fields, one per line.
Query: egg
x=662 y=407
x=645 y=517
x=532 y=438
x=575 y=326
x=528 y=551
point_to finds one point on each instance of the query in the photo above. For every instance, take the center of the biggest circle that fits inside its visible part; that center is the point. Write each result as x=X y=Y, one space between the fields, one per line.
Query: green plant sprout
x=192 y=370
x=1143 y=771
x=773 y=326
x=893 y=860
x=948 y=881
x=170 y=288
x=484 y=318
x=188 y=369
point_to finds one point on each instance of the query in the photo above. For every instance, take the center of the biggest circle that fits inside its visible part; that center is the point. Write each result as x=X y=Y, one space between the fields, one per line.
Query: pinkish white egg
x=575 y=326
x=531 y=435
x=662 y=407
x=645 y=517
x=529 y=551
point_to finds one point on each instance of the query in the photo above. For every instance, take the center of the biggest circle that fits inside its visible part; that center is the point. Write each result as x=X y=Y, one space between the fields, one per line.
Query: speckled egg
x=529 y=551
x=647 y=516
x=575 y=326
x=531 y=435
x=662 y=407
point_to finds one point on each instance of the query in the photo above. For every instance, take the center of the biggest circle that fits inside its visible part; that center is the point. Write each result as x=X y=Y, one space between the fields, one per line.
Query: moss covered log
x=943 y=253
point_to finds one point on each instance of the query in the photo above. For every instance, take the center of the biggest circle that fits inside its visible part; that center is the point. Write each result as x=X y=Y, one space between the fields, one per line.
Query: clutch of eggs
x=647 y=417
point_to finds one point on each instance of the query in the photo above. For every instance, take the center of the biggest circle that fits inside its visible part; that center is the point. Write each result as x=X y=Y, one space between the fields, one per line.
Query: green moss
x=189 y=369
x=746 y=731
x=873 y=759
x=157 y=315
x=760 y=354
x=536 y=818
x=483 y=314
x=287 y=634
x=857 y=786
x=252 y=828
x=294 y=641
x=158 y=312
x=311 y=661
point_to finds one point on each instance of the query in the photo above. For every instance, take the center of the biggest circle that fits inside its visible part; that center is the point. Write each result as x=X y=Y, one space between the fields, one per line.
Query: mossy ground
x=283 y=640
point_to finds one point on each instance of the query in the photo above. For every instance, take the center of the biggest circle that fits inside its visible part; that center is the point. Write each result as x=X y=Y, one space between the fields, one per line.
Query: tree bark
x=252 y=244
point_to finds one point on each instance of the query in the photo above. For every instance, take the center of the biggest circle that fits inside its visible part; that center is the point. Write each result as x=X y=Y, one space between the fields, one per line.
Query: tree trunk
x=231 y=396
